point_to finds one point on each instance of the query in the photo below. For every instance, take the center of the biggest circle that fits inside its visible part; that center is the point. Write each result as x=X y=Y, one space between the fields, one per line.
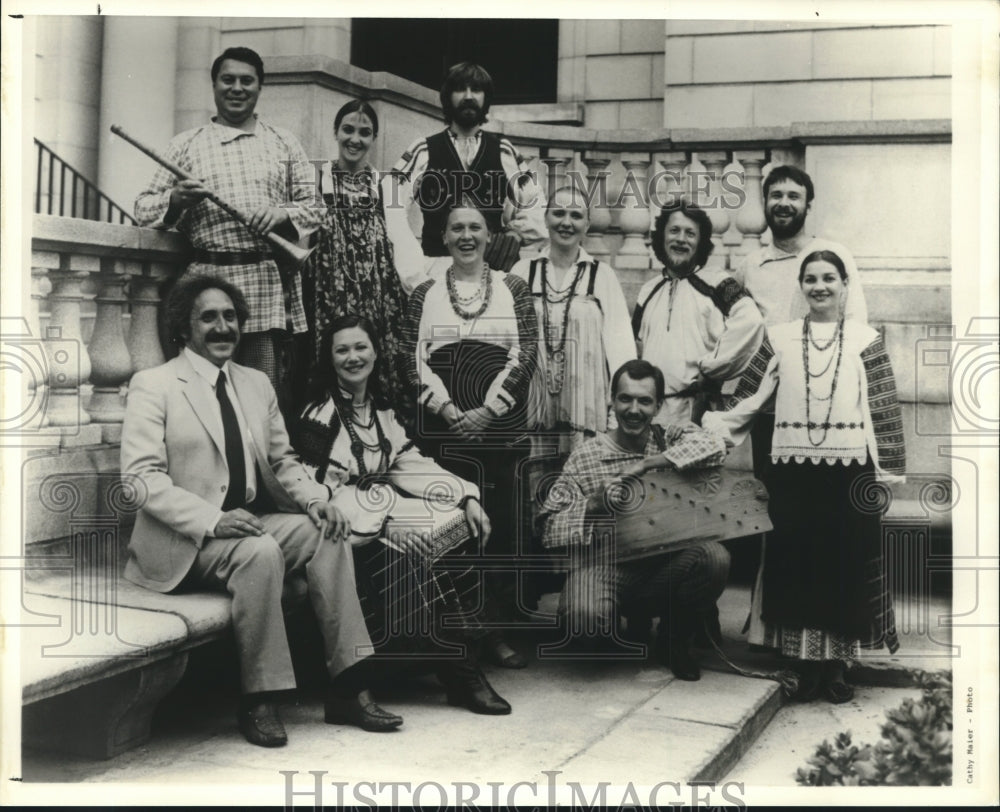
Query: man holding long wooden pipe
x=258 y=169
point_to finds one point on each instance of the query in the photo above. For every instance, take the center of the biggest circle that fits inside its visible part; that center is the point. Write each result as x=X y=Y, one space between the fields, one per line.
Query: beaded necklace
x=555 y=372
x=807 y=339
x=485 y=291
x=358 y=446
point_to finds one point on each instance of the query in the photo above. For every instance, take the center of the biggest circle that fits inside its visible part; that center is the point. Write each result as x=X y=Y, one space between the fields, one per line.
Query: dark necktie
x=236 y=496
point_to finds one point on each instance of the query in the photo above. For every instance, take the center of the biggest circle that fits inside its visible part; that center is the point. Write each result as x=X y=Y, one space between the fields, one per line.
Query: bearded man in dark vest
x=464 y=161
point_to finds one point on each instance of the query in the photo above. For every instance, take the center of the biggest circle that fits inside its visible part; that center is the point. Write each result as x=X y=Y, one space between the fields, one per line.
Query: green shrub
x=915 y=749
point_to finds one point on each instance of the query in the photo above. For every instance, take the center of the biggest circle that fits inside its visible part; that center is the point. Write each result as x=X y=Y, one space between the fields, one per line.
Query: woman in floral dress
x=355 y=268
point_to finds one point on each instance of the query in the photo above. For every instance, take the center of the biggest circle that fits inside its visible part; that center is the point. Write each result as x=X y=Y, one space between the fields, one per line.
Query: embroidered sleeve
x=430 y=389
x=741 y=337
x=727 y=293
x=883 y=405
x=755 y=387
x=524 y=210
x=408 y=256
x=511 y=386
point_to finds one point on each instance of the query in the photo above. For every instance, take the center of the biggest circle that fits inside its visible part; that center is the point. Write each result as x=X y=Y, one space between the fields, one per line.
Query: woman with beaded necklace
x=351 y=438
x=470 y=344
x=821 y=592
x=355 y=268
x=586 y=335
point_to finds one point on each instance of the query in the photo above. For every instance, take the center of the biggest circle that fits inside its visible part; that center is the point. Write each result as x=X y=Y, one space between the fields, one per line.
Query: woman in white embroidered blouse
x=584 y=327
x=391 y=493
x=821 y=591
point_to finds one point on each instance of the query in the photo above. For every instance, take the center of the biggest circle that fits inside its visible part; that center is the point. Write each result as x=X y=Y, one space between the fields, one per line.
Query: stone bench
x=97 y=659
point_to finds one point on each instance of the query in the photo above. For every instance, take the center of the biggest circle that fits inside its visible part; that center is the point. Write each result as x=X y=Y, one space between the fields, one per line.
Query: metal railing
x=62 y=190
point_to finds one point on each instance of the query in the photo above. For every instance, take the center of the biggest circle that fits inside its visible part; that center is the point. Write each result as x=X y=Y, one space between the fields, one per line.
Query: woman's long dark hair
x=323 y=381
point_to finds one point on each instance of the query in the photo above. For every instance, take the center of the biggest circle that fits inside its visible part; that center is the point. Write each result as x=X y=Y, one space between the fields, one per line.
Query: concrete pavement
x=581 y=721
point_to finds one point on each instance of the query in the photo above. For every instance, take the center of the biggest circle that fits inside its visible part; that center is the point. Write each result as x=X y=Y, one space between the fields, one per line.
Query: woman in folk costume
x=396 y=498
x=471 y=338
x=585 y=335
x=584 y=324
x=356 y=268
x=821 y=591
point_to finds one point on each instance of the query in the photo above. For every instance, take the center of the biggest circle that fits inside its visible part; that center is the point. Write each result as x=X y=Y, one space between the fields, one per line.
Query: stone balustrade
x=96 y=287
x=95 y=296
x=630 y=174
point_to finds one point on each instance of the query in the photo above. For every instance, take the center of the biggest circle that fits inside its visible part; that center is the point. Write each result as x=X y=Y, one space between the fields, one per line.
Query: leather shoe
x=467 y=687
x=260 y=724
x=360 y=710
x=676 y=655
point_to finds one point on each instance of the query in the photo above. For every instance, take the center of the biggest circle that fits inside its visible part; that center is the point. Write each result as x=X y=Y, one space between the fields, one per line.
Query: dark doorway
x=520 y=55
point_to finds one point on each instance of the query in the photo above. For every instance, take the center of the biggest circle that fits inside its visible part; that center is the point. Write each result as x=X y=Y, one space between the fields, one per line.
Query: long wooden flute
x=294 y=252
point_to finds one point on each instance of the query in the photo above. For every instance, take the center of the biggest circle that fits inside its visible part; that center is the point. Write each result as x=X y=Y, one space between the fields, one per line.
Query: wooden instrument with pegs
x=665 y=511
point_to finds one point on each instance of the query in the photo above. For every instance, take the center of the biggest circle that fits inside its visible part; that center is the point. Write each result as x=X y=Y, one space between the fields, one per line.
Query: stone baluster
x=670 y=182
x=143 y=331
x=709 y=196
x=69 y=362
x=36 y=371
x=598 y=193
x=109 y=355
x=750 y=219
x=633 y=212
x=557 y=162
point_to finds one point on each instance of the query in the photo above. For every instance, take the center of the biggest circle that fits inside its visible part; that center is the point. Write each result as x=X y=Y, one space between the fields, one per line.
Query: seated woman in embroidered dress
x=821 y=592
x=391 y=493
x=470 y=343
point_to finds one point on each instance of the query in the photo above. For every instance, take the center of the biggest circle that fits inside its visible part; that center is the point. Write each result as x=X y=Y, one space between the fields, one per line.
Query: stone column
x=750 y=219
x=110 y=361
x=137 y=92
x=600 y=215
x=198 y=44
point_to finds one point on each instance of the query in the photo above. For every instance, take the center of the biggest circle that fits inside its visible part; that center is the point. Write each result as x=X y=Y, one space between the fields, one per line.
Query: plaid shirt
x=599 y=460
x=247 y=170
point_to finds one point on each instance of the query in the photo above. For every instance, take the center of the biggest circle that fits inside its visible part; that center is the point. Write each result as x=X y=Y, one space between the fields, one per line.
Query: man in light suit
x=229 y=506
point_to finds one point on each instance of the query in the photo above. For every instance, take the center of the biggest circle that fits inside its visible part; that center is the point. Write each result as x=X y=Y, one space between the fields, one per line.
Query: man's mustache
x=472 y=104
x=220 y=337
